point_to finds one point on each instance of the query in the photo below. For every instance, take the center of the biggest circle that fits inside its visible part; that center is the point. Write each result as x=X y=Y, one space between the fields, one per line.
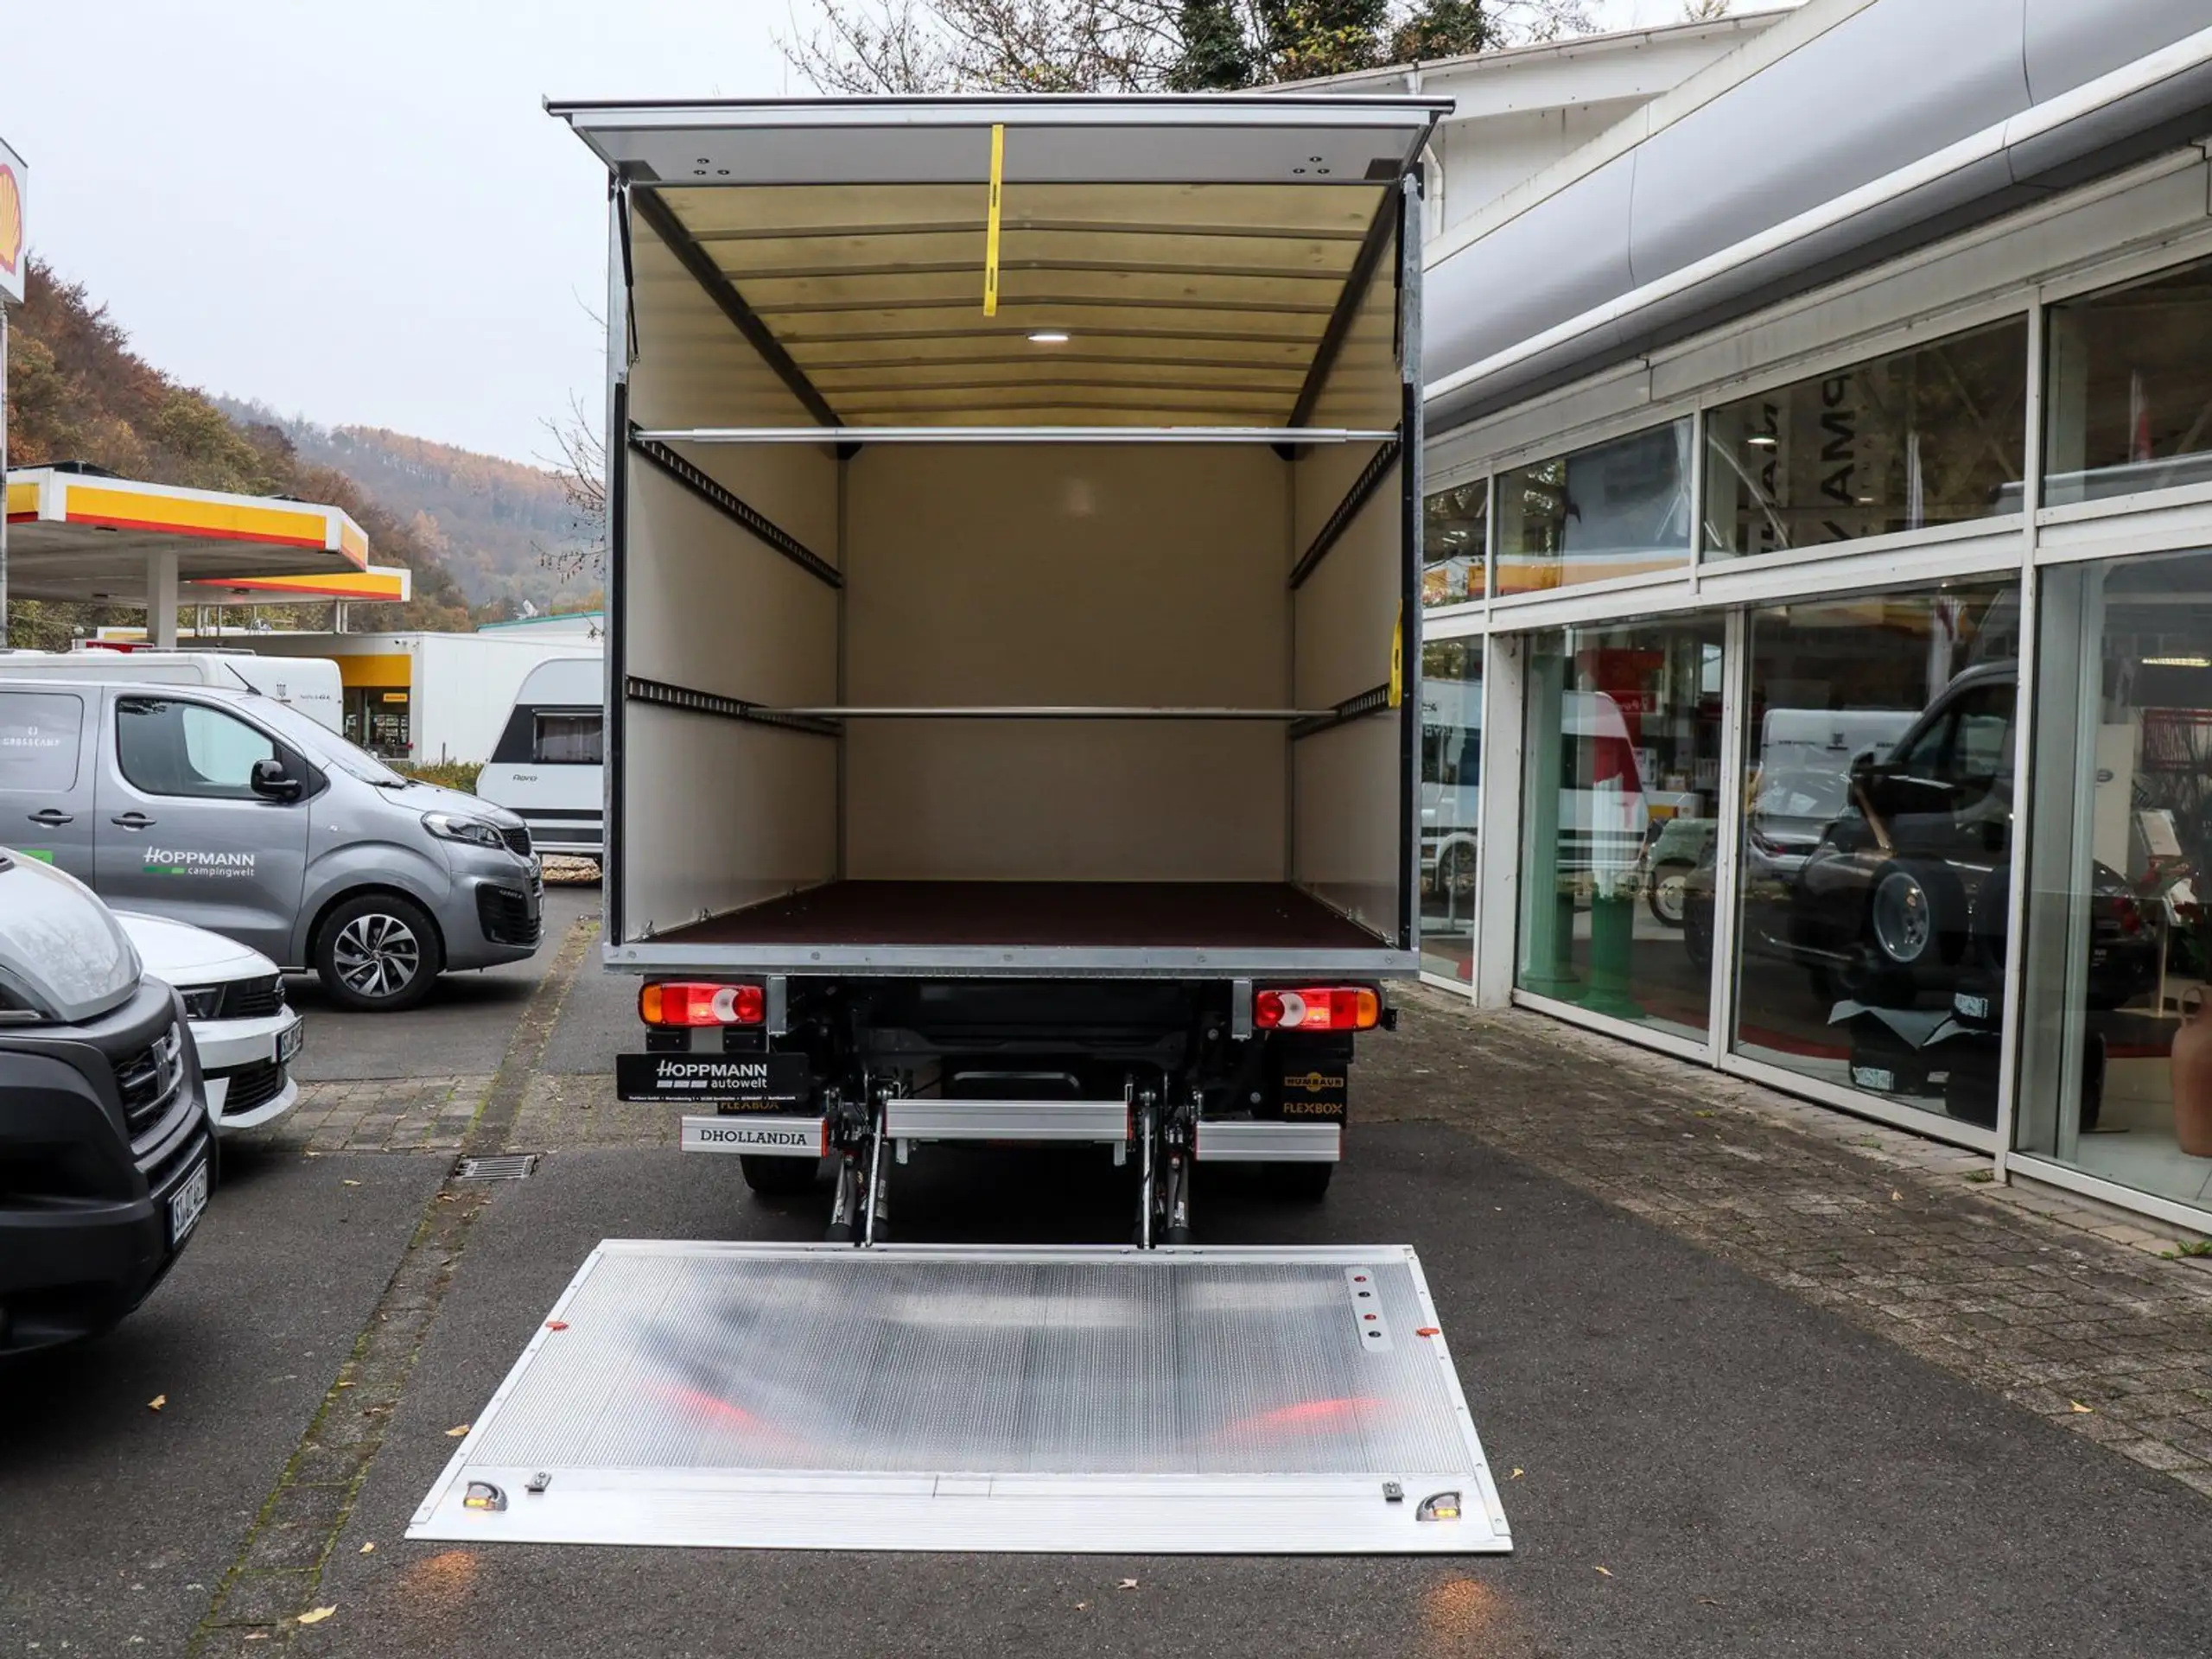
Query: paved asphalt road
x=1755 y=1476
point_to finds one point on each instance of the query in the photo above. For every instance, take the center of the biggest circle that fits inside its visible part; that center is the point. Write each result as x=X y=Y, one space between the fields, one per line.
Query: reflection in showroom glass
x=1874 y=856
x=1622 y=778
x=1450 y=762
x=1934 y=436
x=2116 y=1061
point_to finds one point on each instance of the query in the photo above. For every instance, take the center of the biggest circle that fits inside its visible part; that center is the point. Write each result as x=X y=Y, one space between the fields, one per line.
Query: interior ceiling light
x=1763 y=441
x=2177 y=662
x=1048 y=337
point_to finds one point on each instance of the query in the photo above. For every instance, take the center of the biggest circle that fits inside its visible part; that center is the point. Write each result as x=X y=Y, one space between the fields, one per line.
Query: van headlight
x=453 y=827
x=202 y=1003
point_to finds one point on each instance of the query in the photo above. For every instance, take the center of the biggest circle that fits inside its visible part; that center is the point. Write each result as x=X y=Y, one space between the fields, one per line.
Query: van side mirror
x=270 y=778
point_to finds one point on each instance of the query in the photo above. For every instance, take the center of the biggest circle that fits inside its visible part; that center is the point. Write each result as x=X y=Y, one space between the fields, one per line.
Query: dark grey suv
x=106 y=1154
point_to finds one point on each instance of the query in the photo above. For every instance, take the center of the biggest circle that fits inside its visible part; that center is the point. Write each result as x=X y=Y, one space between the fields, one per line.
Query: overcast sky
x=361 y=213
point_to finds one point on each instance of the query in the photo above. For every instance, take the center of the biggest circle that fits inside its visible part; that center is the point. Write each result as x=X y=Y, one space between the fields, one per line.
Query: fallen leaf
x=1895 y=1197
x=344 y=1385
x=316 y=1615
x=1515 y=1475
x=1607 y=1571
x=1083 y=1606
x=455 y=1433
x=2085 y=1410
x=1708 y=1601
x=1128 y=1584
x=348 y=1181
x=157 y=1402
x=368 y=1550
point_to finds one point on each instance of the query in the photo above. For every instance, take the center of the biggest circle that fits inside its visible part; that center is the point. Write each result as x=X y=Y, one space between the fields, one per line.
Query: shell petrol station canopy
x=1013 y=260
x=83 y=535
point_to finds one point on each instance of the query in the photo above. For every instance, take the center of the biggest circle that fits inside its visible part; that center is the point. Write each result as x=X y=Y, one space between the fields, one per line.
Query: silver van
x=235 y=813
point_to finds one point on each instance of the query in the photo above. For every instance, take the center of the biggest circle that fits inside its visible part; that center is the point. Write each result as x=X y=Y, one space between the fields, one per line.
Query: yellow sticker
x=991 y=231
x=1398 y=658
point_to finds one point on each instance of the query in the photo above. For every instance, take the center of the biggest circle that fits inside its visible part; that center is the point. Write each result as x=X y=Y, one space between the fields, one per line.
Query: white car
x=234 y=1004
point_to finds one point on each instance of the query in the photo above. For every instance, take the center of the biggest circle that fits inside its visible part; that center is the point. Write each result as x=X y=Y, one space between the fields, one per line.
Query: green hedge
x=447 y=774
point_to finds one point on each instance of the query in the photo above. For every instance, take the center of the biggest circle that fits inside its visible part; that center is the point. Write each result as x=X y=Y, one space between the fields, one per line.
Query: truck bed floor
x=1180 y=915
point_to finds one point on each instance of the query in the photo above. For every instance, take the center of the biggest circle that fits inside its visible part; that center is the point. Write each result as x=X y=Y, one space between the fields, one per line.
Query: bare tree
x=1706 y=11
x=1000 y=46
x=1134 y=46
x=1517 y=22
x=579 y=461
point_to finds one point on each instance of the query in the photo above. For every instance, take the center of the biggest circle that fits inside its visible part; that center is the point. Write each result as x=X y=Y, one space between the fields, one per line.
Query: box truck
x=1010 y=737
x=1014 y=612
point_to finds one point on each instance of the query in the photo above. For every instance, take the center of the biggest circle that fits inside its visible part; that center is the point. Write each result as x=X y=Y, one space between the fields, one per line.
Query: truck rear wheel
x=778 y=1178
x=1305 y=1183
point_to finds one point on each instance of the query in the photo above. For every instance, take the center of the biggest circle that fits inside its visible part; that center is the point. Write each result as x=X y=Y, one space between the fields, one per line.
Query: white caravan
x=547 y=767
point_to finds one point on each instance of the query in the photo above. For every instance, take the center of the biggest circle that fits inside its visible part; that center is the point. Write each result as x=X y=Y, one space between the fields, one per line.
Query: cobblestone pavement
x=2068 y=1310
x=2052 y=1303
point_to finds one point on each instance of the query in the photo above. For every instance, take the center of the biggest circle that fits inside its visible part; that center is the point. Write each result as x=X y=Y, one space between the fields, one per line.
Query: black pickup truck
x=106 y=1154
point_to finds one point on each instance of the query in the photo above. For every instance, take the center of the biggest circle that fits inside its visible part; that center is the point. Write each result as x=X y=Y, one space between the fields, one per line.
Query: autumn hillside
x=77 y=392
x=489 y=519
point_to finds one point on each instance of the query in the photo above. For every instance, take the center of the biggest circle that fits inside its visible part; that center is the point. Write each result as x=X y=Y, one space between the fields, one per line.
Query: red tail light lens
x=1339 y=1007
x=685 y=1003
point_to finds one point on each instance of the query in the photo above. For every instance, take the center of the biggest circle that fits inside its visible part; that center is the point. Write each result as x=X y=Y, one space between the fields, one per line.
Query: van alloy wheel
x=376 y=954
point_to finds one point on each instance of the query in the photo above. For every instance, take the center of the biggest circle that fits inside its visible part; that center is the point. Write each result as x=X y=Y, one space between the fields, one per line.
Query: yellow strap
x=1398 y=658
x=991 y=235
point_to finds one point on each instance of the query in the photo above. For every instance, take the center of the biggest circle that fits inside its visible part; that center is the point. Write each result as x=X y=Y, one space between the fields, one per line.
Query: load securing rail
x=1204 y=1400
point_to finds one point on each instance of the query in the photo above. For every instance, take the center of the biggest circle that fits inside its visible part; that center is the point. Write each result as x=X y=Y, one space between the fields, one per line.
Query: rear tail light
x=2130 y=918
x=1341 y=1008
x=685 y=1003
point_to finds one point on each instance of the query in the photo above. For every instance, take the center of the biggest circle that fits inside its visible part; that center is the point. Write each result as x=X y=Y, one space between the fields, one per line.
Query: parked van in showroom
x=232 y=812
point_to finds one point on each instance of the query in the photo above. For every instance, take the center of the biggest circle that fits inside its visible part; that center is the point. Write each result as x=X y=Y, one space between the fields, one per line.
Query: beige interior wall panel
x=1064 y=800
x=1087 y=575
x=721 y=815
x=1347 y=610
x=963 y=284
x=710 y=606
x=1093 y=574
x=954 y=344
x=711 y=210
x=1348 y=851
x=1196 y=326
x=693 y=368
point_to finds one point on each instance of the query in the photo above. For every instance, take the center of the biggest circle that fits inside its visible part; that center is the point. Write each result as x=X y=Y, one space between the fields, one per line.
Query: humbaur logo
x=1313 y=1082
x=187 y=861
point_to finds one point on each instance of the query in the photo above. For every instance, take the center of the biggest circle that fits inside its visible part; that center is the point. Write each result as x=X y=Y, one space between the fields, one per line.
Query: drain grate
x=501 y=1166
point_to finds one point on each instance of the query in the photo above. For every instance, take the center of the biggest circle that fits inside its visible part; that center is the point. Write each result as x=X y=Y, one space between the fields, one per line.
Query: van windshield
x=324 y=744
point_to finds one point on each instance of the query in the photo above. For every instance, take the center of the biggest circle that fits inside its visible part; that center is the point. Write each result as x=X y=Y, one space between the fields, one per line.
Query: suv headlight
x=453 y=827
x=203 y=1003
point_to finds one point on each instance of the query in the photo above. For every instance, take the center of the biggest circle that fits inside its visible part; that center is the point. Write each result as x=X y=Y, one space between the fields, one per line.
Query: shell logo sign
x=11 y=231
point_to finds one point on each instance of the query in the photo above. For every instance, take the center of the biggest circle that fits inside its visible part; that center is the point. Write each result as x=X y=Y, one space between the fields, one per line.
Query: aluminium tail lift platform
x=1214 y=1400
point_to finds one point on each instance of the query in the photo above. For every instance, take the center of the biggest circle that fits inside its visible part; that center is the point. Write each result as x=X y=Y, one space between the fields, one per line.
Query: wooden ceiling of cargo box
x=1199 y=304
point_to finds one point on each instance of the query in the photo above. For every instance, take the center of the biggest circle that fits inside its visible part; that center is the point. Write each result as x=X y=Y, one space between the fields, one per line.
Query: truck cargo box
x=1013 y=541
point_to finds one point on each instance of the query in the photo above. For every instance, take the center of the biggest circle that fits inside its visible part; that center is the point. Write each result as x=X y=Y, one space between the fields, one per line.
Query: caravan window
x=568 y=740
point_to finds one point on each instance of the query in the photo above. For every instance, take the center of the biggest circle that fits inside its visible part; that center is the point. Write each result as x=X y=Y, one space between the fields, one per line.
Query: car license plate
x=185 y=1203
x=291 y=1040
x=1879 y=1078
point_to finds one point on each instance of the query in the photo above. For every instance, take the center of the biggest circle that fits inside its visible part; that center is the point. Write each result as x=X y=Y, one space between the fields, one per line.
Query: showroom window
x=2130 y=389
x=2116 y=1058
x=1934 y=436
x=1451 y=770
x=1618 y=509
x=1454 y=538
x=1620 y=798
x=1873 y=860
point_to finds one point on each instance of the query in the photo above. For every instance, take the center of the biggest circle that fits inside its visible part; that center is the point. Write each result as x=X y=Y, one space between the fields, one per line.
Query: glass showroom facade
x=1846 y=722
